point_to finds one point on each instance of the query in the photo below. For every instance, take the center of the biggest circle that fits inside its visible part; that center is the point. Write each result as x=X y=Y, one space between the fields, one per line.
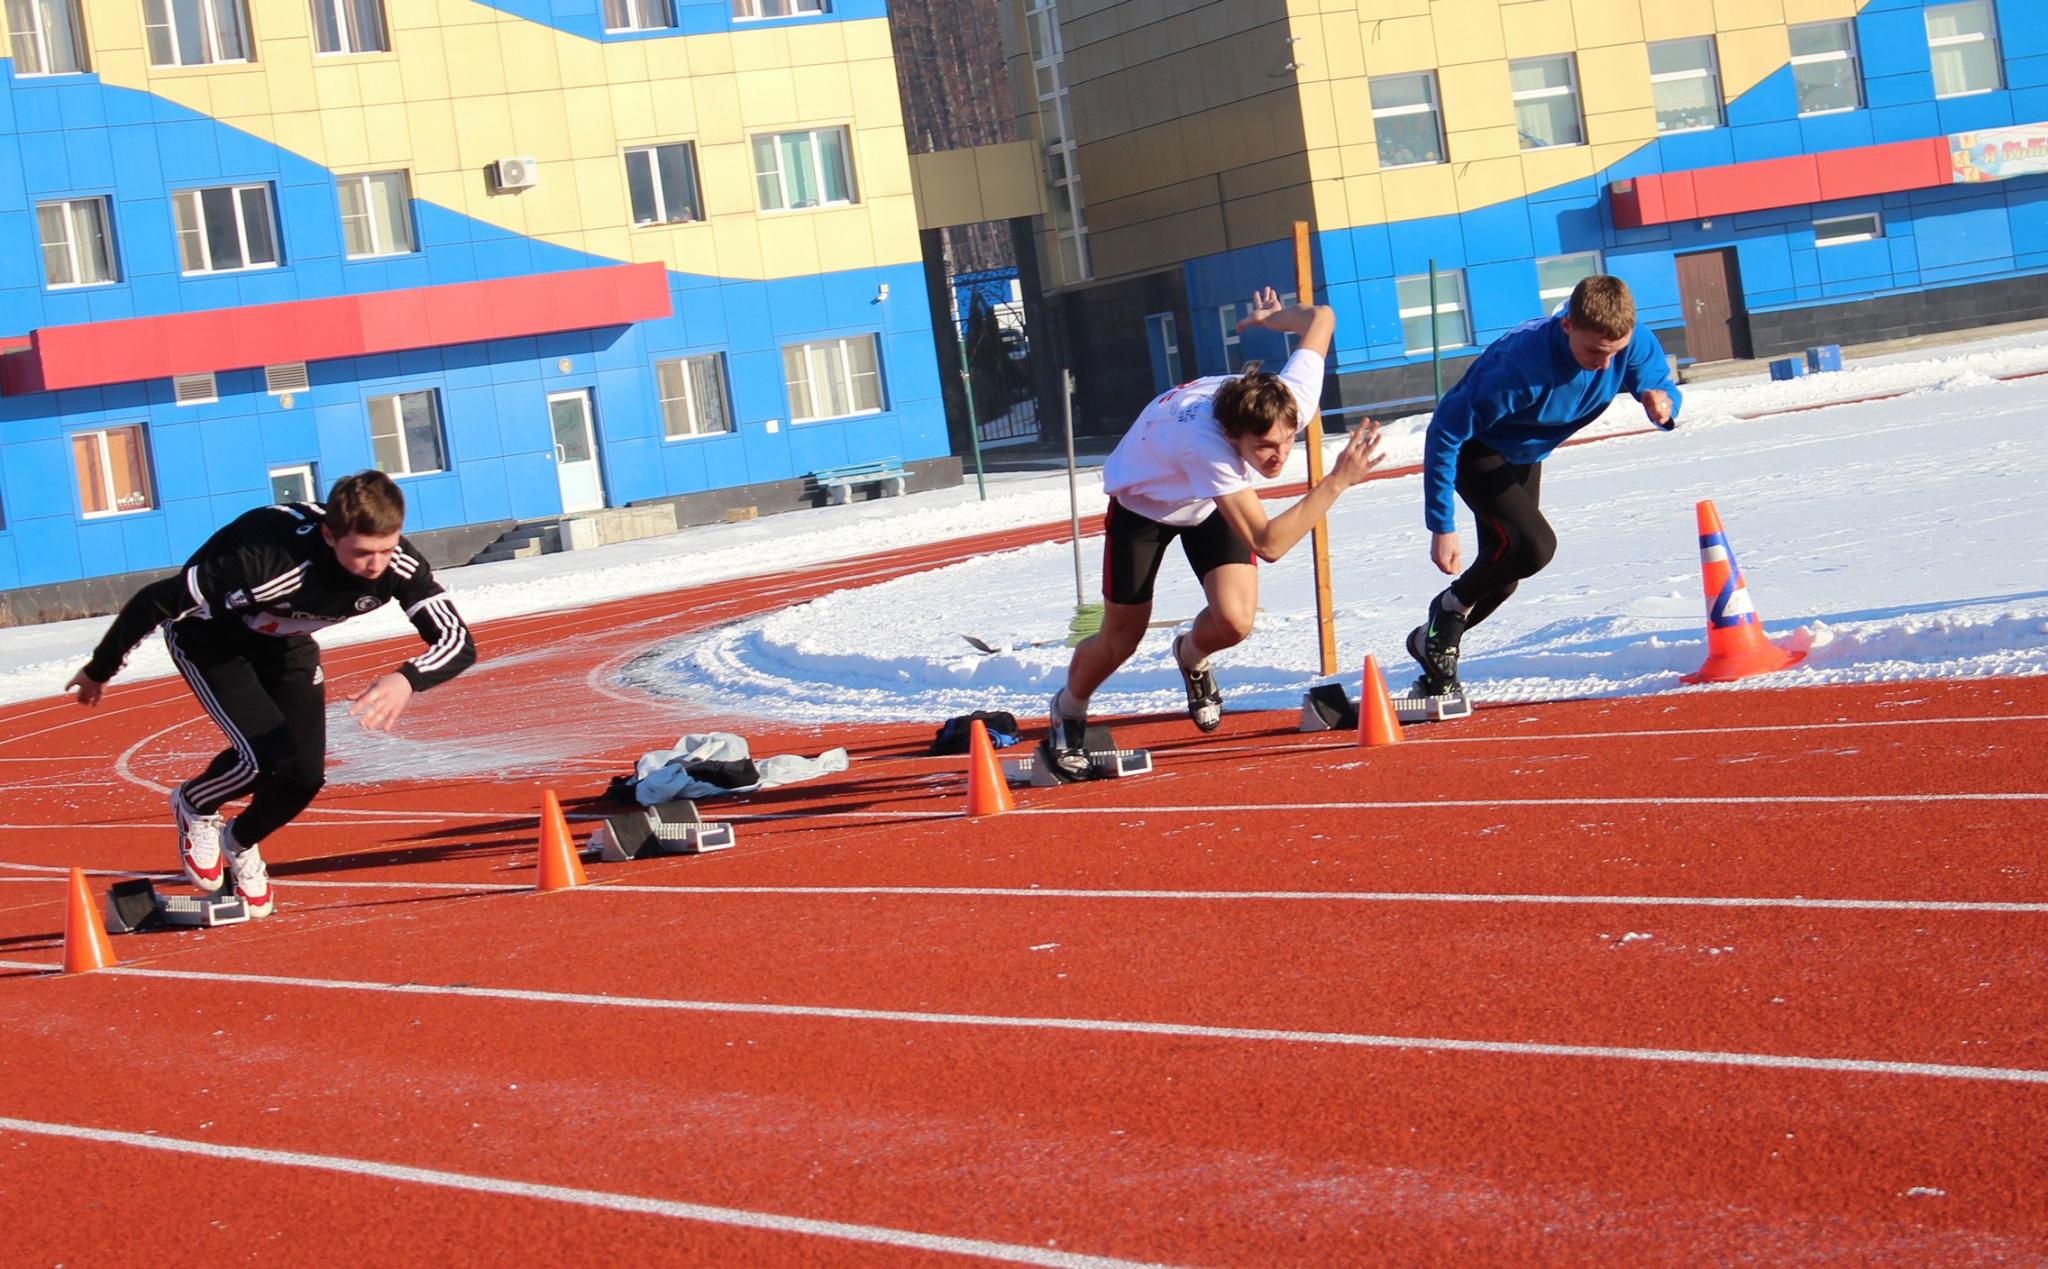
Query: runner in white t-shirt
x=1185 y=470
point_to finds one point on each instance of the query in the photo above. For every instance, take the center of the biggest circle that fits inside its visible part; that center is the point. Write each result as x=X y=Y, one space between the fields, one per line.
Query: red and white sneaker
x=252 y=881
x=198 y=845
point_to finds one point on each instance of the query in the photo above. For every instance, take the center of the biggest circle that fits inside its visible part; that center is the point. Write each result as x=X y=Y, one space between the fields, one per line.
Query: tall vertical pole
x=973 y=428
x=1436 y=352
x=1326 y=621
x=1073 y=482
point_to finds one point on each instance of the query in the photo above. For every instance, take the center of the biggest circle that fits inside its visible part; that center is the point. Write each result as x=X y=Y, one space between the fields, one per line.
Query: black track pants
x=269 y=698
x=1515 y=541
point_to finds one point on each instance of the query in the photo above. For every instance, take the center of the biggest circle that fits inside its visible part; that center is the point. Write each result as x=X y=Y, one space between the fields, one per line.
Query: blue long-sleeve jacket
x=1523 y=396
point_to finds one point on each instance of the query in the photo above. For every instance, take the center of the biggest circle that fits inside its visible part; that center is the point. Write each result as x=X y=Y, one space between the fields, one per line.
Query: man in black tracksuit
x=238 y=622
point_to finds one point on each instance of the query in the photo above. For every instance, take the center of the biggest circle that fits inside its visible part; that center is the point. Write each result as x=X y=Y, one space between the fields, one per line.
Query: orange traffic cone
x=560 y=866
x=1736 y=646
x=987 y=792
x=86 y=946
x=1376 y=722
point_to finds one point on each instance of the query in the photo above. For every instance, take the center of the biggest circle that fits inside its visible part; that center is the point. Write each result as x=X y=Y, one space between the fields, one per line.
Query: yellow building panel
x=588 y=113
x=768 y=99
x=867 y=40
x=946 y=188
x=822 y=92
x=478 y=203
x=389 y=141
x=1602 y=23
x=1351 y=99
x=1318 y=115
x=1420 y=191
x=130 y=66
x=881 y=167
x=1358 y=160
x=600 y=186
x=1484 y=143
x=1621 y=127
x=112 y=28
x=422 y=65
x=348 y=143
x=580 y=63
x=527 y=51
x=554 y=206
x=1749 y=57
x=726 y=173
x=675 y=106
x=633 y=112
x=760 y=50
x=718 y=109
x=431 y=125
x=1336 y=42
x=1396 y=45
x=876 y=91
x=1012 y=179
x=737 y=247
x=1484 y=183
x=421 y=15
x=1535 y=27
x=238 y=96
x=709 y=54
x=1733 y=15
x=1797 y=11
x=609 y=244
x=380 y=81
x=475 y=65
x=1328 y=207
x=334 y=83
x=1476 y=96
x=1615 y=78
x=1558 y=165
x=789 y=244
x=540 y=125
x=457 y=12
x=1466 y=31
x=893 y=224
x=1365 y=200
x=299 y=132
x=1663 y=20
x=819 y=44
x=846 y=240
x=483 y=131
x=194 y=92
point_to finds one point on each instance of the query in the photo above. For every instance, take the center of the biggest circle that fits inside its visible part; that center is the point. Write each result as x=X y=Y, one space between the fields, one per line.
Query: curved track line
x=1009 y=1253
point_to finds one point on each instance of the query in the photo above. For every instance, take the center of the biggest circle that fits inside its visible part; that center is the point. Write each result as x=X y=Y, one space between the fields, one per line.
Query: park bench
x=838 y=482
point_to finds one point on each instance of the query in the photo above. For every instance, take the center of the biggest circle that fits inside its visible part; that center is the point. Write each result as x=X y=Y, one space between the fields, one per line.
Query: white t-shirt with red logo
x=1175 y=461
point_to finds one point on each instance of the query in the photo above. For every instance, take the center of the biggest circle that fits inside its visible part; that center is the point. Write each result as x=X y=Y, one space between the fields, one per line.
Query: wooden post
x=1326 y=622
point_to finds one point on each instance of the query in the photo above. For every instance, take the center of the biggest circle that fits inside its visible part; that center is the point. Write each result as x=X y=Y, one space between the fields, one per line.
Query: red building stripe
x=1787 y=182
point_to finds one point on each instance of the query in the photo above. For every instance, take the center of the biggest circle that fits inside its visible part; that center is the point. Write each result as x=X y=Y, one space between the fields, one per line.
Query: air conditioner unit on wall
x=515 y=173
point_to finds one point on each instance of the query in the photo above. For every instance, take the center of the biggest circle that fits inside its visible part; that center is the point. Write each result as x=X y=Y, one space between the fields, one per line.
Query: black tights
x=1515 y=541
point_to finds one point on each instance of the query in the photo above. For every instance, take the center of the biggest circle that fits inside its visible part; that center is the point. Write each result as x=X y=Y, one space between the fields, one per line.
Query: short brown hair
x=367 y=503
x=1602 y=304
x=1252 y=403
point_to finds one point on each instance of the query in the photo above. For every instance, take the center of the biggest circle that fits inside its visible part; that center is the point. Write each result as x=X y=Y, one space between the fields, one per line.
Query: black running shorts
x=1133 y=547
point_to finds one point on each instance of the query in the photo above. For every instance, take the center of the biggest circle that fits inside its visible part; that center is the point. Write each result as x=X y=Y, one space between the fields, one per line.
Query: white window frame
x=1711 y=72
x=1549 y=299
x=345 y=29
x=71 y=208
x=1056 y=134
x=1989 y=33
x=1167 y=327
x=1233 y=339
x=652 y=158
x=1570 y=89
x=99 y=437
x=241 y=229
x=35 y=35
x=1852 y=55
x=297 y=469
x=384 y=240
x=751 y=10
x=396 y=402
x=687 y=404
x=209 y=20
x=637 y=16
x=1433 y=108
x=1875 y=232
x=817 y=157
x=813 y=354
x=1454 y=303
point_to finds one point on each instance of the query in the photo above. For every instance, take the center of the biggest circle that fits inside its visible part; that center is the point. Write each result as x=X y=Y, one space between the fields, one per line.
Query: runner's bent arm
x=1649 y=377
x=1272 y=539
x=217 y=582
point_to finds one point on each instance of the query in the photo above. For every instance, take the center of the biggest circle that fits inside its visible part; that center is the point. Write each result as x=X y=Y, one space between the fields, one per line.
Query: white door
x=576 y=451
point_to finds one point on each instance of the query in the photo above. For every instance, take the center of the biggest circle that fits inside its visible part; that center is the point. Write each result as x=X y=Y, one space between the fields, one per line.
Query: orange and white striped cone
x=1736 y=646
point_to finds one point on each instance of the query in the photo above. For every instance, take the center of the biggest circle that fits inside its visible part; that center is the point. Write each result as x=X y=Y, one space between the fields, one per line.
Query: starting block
x=134 y=905
x=1105 y=762
x=671 y=828
x=1327 y=708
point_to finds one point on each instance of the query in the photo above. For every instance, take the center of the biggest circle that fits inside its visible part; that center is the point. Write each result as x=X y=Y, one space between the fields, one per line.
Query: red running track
x=1707 y=977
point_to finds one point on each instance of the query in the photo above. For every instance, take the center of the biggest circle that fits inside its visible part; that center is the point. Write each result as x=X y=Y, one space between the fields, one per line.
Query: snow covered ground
x=1898 y=538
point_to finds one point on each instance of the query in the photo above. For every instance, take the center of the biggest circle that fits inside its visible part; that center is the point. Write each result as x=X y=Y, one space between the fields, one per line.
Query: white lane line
x=1176 y=1030
x=1749 y=728
x=57 y=876
x=632 y=1204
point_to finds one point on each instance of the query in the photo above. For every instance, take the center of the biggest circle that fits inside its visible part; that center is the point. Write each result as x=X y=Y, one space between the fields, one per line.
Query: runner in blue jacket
x=1532 y=388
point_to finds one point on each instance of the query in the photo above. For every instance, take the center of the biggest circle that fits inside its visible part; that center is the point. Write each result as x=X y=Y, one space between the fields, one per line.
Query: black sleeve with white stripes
x=450 y=649
x=145 y=610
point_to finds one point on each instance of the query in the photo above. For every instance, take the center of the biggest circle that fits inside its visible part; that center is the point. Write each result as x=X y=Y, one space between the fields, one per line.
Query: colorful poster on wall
x=1999 y=154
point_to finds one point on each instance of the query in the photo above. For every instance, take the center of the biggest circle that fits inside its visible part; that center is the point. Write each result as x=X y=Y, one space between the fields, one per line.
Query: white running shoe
x=198 y=845
x=252 y=881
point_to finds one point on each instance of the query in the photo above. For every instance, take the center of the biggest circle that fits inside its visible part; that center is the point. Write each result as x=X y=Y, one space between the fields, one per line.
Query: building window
x=349 y=26
x=693 y=400
x=1233 y=339
x=1452 y=329
x=294 y=484
x=776 y=8
x=1163 y=334
x=1685 y=84
x=637 y=15
x=46 y=37
x=76 y=248
x=662 y=180
x=405 y=434
x=802 y=169
x=1546 y=93
x=1837 y=231
x=1962 y=40
x=1824 y=67
x=195 y=32
x=1405 y=119
x=1556 y=277
x=113 y=471
x=376 y=214
x=225 y=227
x=832 y=378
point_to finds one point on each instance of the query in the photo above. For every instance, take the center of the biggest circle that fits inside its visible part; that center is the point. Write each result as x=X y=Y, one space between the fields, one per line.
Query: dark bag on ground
x=953 y=734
